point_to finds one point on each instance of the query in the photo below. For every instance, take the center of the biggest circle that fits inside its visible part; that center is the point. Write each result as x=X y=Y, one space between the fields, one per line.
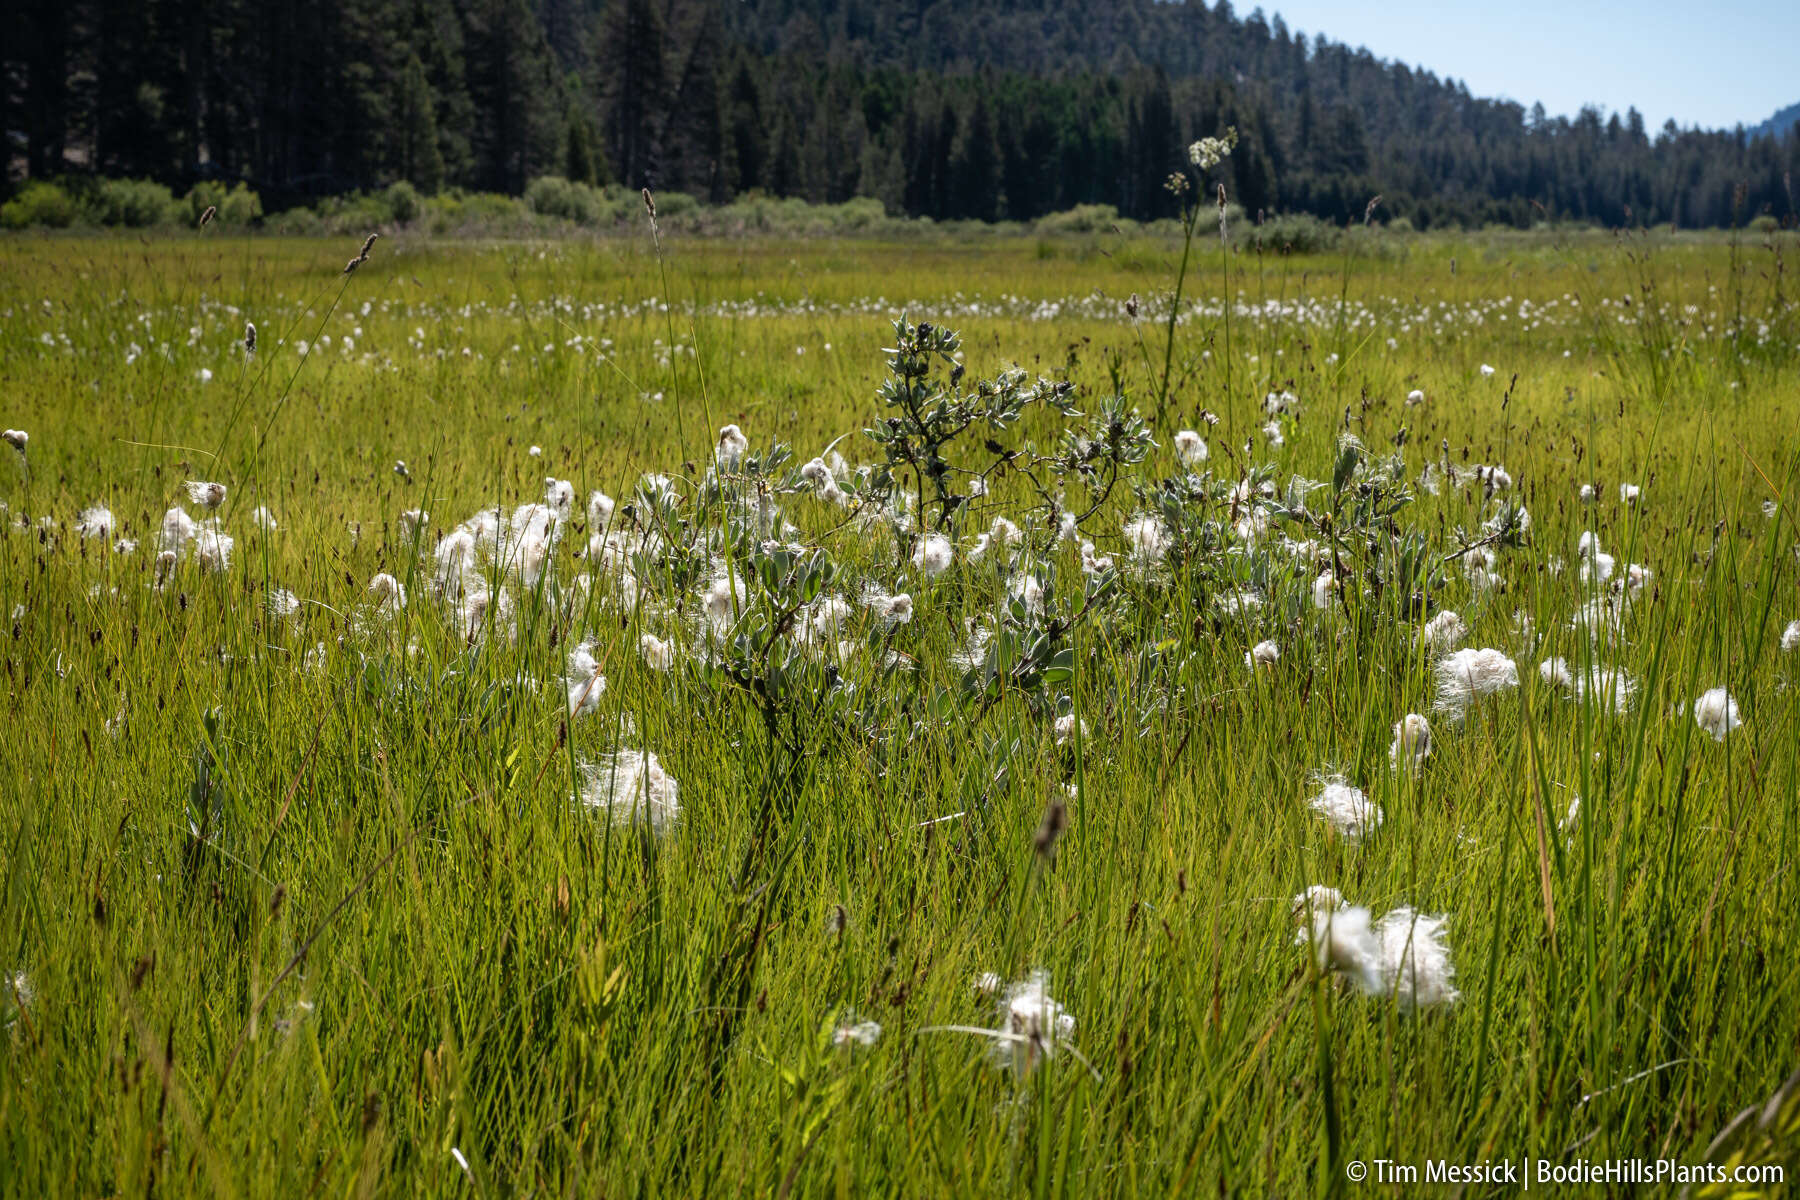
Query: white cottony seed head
x=206 y=495
x=1717 y=713
x=1412 y=741
x=1346 y=809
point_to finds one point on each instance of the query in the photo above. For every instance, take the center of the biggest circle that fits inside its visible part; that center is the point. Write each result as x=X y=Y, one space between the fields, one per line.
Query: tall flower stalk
x=1205 y=154
x=1225 y=288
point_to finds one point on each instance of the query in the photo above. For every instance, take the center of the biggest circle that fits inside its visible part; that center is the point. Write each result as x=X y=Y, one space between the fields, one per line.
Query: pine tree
x=693 y=128
x=421 y=161
x=746 y=139
x=515 y=93
x=629 y=56
x=433 y=31
x=974 y=175
x=579 y=157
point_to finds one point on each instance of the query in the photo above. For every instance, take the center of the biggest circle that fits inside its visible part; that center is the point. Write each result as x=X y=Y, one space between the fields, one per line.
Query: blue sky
x=1713 y=65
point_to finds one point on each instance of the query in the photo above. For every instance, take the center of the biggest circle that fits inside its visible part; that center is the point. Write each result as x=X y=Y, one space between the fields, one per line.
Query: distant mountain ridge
x=1779 y=124
x=1105 y=92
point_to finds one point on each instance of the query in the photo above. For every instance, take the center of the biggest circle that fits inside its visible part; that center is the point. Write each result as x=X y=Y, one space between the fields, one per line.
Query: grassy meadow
x=311 y=887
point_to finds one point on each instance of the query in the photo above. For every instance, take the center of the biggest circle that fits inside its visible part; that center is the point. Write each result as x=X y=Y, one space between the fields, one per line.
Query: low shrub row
x=552 y=204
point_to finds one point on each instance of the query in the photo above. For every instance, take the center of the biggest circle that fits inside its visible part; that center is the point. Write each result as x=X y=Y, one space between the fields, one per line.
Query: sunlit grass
x=400 y=957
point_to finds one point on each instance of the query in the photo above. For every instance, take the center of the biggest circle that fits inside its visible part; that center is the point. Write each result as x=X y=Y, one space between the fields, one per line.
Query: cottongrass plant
x=1717 y=713
x=1469 y=676
x=630 y=787
x=1412 y=743
x=1403 y=955
x=1345 y=808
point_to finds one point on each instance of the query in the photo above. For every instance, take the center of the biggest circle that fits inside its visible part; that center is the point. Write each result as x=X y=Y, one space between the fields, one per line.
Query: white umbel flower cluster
x=1209 y=152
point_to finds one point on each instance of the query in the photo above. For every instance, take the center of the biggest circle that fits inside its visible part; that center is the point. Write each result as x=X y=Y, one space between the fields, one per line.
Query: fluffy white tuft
x=389 y=593
x=856 y=1033
x=1032 y=1024
x=732 y=446
x=96 y=522
x=933 y=554
x=632 y=788
x=1470 y=675
x=1717 y=713
x=658 y=654
x=1412 y=742
x=1346 y=809
x=206 y=495
x=1148 y=540
x=1443 y=633
x=1403 y=955
x=585 y=682
x=1607 y=685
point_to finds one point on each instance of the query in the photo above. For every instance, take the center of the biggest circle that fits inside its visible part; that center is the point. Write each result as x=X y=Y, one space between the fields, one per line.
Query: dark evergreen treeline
x=955 y=109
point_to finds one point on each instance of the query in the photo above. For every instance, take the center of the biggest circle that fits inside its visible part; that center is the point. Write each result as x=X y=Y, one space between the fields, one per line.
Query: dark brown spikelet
x=649 y=204
x=362 y=258
x=212 y=210
x=1056 y=821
